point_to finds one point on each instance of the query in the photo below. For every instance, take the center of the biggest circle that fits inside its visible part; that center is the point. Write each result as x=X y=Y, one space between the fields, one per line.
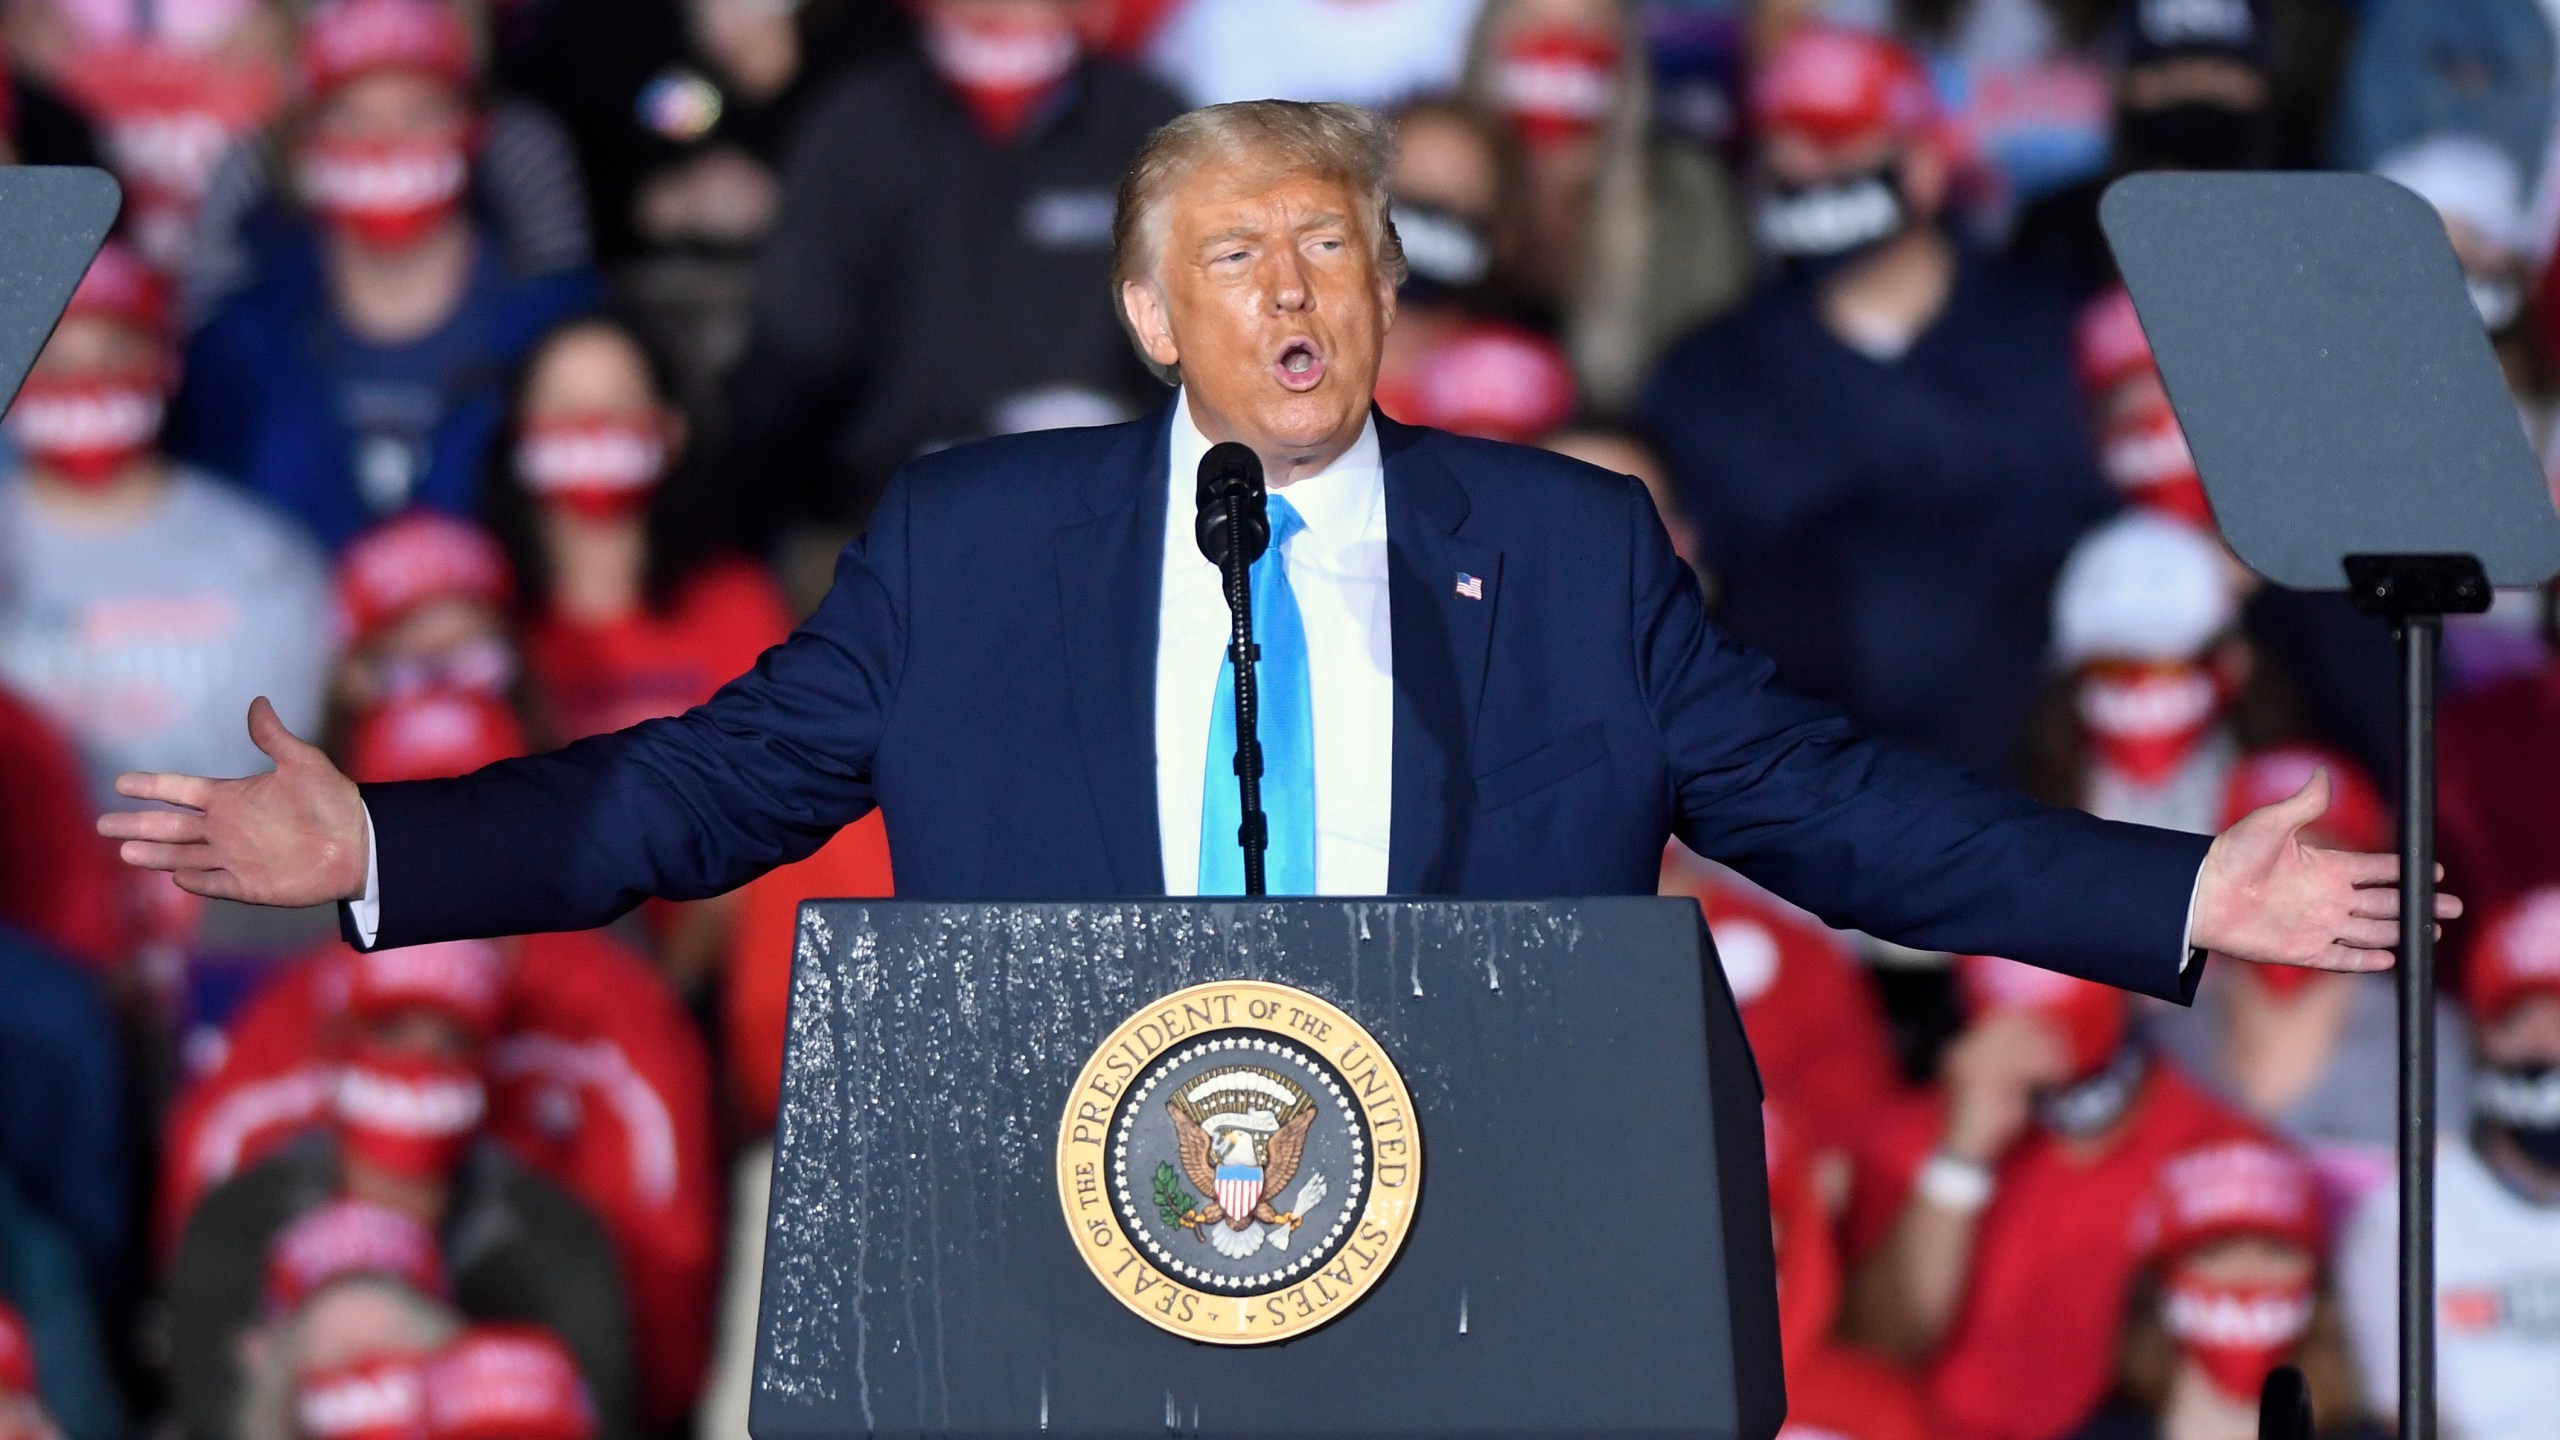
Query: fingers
x=175 y=827
x=2361 y=934
x=2340 y=957
x=2304 y=805
x=2448 y=907
x=192 y=791
x=211 y=884
x=163 y=855
x=2363 y=869
x=267 y=731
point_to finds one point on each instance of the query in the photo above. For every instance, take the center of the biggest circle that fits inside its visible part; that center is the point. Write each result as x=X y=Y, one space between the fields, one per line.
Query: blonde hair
x=1343 y=143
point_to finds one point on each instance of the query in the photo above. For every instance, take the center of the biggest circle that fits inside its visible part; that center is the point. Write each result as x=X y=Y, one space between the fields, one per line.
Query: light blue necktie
x=1287 y=722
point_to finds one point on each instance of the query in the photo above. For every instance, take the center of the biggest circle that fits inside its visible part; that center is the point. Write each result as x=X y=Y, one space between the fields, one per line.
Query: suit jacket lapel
x=1111 y=584
x=1441 y=638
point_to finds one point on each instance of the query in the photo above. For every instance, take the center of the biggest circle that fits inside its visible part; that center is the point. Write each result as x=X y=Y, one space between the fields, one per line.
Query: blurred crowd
x=473 y=376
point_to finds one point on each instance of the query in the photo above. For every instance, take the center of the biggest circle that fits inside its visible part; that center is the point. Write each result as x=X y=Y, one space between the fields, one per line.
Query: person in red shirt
x=1994 y=1217
x=1835 y=1391
x=632 y=610
x=1810 y=1010
x=2234 y=1288
x=596 y=1077
x=633 y=614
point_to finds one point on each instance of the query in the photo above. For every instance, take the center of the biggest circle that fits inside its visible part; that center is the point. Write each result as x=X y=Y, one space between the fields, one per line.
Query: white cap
x=2468 y=179
x=2142 y=587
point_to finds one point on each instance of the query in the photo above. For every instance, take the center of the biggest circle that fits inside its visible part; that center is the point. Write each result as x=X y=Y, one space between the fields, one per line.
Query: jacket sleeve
x=686 y=807
x=1874 y=837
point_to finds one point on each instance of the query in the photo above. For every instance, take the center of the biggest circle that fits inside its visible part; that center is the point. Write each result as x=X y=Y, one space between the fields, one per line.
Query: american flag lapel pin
x=1470 y=587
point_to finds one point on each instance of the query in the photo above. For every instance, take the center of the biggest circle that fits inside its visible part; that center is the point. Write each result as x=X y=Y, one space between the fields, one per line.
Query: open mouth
x=1299 y=366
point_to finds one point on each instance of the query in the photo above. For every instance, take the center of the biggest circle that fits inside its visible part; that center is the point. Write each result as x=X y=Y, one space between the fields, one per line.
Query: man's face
x=1268 y=296
x=2527 y=1034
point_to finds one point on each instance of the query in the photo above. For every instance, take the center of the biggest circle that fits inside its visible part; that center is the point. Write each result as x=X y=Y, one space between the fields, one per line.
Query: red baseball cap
x=2516 y=955
x=348 y=39
x=382 y=1397
x=120 y=285
x=1497 y=381
x=350 y=1237
x=17 y=1353
x=2231 y=1189
x=409 y=561
x=508 y=1382
x=1841 y=86
x=2091 y=1016
x=2356 y=820
x=432 y=735
x=463 y=980
x=2108 y=344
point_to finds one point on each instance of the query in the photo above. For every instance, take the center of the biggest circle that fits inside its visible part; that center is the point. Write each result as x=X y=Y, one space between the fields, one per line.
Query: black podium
x=1577 y=1190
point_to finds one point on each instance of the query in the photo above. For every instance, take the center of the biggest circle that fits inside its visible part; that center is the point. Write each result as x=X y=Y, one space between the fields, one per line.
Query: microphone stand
x=1234 y=528
x=1253 y=834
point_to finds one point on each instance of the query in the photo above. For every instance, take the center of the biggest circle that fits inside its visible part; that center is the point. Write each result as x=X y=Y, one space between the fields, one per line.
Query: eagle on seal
x=1225 y=1168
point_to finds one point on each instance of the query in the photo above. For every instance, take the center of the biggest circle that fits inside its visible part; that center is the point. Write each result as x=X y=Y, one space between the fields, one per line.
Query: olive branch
x=1181 y=1208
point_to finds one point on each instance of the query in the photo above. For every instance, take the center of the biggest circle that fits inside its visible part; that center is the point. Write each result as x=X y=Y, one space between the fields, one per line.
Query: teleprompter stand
x=1590 y=1254
x=2353 y=431
x=53 y=218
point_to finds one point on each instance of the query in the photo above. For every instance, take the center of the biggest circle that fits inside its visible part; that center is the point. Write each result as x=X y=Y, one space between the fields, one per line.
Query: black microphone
x=1234 y=529
x=1231 y=471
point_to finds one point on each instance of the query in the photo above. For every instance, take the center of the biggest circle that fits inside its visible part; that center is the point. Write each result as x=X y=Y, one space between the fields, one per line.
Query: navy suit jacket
x=984 y=671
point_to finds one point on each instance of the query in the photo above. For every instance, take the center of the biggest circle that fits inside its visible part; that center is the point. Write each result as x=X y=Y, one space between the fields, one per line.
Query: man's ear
x=1143 y=303
x=1386 y=305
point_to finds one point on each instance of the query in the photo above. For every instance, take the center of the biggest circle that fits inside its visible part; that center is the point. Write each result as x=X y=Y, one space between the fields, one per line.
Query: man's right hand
x=1992 y=1073
x=294 y=836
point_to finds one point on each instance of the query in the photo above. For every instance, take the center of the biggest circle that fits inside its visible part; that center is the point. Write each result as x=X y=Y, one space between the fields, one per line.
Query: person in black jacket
x=941 y=268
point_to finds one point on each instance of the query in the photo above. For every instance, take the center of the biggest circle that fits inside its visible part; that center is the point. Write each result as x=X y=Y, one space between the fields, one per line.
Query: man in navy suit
x=1484 y=673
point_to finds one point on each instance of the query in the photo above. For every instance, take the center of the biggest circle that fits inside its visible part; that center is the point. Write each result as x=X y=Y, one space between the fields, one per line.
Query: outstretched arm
x=1875 y=837
x=684 y=807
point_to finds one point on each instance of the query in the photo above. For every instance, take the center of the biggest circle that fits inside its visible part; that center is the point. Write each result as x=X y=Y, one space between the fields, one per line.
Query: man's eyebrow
x=1324 y=220
x=1230 y=235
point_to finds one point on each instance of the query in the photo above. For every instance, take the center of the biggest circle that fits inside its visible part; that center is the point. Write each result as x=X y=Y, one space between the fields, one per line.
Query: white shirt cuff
x=366 y=909
x=2193 y=955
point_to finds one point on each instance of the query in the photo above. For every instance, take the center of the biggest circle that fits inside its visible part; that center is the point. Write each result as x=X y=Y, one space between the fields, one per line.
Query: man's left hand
x=2269 y=896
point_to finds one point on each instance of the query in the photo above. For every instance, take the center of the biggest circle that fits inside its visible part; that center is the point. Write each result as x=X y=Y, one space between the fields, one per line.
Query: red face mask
x=2145 y=718
x=1558 y=84
x=88 y=430
x=603 y=466
x=412 y=1115
x=2237 y=1332
x=377 y=1399
x=1004 y=66
x=386 y=193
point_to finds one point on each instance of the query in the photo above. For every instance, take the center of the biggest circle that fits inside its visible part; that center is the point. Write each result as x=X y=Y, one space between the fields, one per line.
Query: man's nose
x=1289 y=288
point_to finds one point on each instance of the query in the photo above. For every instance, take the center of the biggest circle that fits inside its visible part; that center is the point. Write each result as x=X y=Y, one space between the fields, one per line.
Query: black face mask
x=1818 y=229
x=2192 y=135
x=2523 y=1101
x=1446 y=255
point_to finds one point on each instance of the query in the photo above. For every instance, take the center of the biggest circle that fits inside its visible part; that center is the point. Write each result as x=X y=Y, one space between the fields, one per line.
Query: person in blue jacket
x=364 y=369
x=1883 y=449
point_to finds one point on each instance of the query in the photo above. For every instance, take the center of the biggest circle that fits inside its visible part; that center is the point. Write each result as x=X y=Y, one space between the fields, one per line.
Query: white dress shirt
x=1338 y=570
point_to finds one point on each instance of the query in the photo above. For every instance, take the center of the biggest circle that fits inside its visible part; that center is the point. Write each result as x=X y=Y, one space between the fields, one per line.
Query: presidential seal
x=1239 y=1162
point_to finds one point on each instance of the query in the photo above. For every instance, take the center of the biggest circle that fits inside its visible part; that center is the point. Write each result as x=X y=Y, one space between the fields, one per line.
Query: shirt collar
x=1337 y=503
